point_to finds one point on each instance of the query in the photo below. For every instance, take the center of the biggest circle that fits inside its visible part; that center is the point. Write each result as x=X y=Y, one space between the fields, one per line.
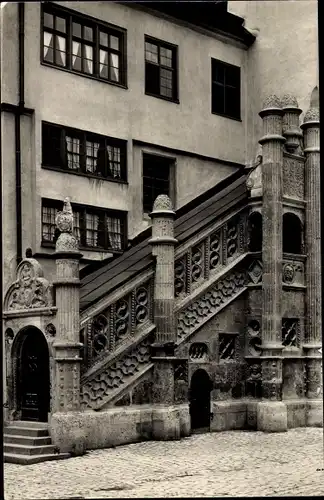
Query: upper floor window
x=83 y=152
x=80 y=44
x=95 y=228
x=157 y=179
x=226 y=89
x=161 y=78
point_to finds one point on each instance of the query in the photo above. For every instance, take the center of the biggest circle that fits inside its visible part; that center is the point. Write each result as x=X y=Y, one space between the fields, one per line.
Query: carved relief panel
x=31 y=290
x=293 y=178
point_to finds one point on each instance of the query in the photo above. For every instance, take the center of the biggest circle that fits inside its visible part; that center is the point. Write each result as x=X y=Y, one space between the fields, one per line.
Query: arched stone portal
x=30 y=357
x=199 y=401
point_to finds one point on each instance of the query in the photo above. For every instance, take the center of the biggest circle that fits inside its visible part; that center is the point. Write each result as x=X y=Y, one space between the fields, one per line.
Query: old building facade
x=177 y=287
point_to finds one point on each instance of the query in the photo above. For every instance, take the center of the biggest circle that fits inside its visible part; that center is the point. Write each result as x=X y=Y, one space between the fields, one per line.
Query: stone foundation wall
x=77 y=432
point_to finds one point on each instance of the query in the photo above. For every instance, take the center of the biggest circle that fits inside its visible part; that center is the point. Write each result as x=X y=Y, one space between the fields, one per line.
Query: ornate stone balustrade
x=209 y=255
x=117 y=323
x=99 y=387
x=206 y=305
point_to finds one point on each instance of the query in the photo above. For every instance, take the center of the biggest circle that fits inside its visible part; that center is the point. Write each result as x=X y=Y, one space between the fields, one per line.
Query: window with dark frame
x=161 y=74
x=83 y=152
x=156 y=179
x=83 y=45
x=226 y=89
x=94 y=228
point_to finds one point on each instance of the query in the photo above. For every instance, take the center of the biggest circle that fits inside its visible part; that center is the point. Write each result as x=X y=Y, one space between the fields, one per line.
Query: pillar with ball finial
x=67 y=345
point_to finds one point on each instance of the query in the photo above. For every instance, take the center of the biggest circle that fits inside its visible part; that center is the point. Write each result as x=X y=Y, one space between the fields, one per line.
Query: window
x=161 y=69
x=291 y=234
x=255 y=232
x=83 y=152
x=156 y=179
x=95 y=228
x=226 y=89
x=80 y=44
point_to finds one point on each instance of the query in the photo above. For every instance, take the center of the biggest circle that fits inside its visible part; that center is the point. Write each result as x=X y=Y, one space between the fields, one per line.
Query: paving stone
x=234 y=463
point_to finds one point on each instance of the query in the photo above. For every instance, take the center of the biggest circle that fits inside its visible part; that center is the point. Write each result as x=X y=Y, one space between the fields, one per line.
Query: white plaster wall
x=284 y=57
x=97 y=106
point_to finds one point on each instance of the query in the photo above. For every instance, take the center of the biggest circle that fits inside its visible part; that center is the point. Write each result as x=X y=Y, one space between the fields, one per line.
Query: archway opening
x=292 y=234
x=255 y=232
x=32 y=375
x=199 y=401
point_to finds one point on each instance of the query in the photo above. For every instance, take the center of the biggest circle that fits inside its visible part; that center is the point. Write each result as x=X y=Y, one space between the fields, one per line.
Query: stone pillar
x=272 y=413
x=313 y=342
x=165 y=423
x=67 y=345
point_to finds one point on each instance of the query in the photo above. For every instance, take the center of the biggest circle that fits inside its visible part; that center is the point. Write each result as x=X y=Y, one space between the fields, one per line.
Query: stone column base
x=272 y=416
x=165 y=423
x=185 y=422
x=314 y=413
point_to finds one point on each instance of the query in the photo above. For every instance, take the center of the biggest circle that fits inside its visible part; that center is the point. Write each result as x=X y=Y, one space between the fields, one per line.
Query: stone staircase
x=116 y=302
x=28 y=443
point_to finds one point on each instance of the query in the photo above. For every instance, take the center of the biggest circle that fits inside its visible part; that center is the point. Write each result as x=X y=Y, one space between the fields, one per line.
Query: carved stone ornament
x=272 y=101
x=289 y=101
x=64 y=219
x=255 y=272
x=288 y=273
x=162 y=202
x=254 y=180
x=255 y=372
x=50 y=330
x=293 y=178
x=97 y=389
x=313 y=113
x=66 y=242
x=31 y=290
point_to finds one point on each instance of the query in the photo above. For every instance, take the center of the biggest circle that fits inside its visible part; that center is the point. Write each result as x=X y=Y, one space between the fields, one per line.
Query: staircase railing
x=118 y=332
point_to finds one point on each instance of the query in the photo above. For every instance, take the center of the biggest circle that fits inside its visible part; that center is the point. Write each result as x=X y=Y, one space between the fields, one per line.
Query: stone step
x=26 y=440
x=13 y=458
x=29 y=423
x=26 y=431
x=22 y=449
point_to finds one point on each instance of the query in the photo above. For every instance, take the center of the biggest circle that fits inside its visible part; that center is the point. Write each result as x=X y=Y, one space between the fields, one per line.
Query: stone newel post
x=272 y=414
x=163 y=243
x=313 y=263
x=165 y=420
x=67 y=345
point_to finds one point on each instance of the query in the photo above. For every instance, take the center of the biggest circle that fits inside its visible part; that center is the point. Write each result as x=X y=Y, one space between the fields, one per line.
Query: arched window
x=255 y=232
x=292 y=234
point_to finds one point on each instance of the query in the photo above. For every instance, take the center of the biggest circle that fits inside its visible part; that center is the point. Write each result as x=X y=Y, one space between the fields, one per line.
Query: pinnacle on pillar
x=312 y=115
x=271 y=115
x=162 y=217
x=66 y=242
x=291 y=129
x=67 y=345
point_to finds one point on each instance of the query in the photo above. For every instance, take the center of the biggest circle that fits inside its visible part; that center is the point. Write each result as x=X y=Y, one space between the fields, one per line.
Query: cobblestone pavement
x=234 y=463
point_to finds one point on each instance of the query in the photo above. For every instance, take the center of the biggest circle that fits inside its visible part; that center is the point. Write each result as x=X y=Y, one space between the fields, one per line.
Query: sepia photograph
x=161 y=249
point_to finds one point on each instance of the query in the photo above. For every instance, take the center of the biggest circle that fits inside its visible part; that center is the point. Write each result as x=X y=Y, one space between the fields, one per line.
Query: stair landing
x=28 y=443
